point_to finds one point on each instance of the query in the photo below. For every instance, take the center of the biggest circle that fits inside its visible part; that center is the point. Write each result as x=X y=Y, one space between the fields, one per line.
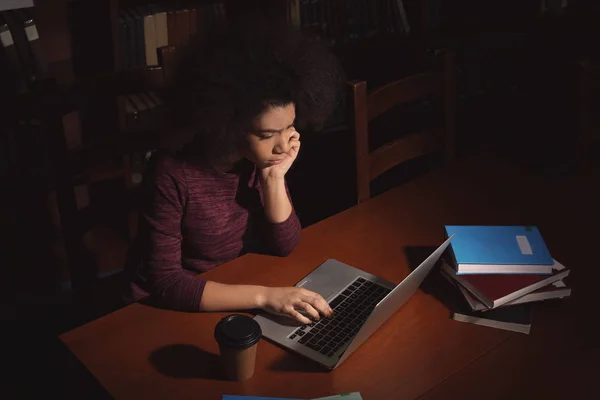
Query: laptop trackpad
x=323 y=288
x=329 y=278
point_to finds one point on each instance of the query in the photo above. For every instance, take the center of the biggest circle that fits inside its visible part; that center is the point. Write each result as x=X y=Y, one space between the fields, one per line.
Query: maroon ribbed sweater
x=194 y=219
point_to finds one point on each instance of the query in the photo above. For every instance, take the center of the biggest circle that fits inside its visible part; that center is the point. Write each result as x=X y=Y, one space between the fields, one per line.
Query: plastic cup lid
x=238 y=331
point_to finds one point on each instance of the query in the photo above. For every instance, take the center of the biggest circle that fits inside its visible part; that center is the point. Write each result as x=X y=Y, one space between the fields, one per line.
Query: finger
x=309 y=309
x=294 y=149
x=296 y=315
x=295 y=135
x=319 y=303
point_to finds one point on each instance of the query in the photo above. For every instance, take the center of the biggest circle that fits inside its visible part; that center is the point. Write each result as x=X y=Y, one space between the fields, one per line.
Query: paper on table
x=235 y=397
x=345 y=396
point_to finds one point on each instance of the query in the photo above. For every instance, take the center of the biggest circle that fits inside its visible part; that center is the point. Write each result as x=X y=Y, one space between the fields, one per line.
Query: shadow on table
x=295 y=363
x=187 y=361
x=434 y=284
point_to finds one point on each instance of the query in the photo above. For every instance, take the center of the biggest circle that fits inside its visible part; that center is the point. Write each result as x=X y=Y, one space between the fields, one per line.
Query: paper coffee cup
x=238 y=336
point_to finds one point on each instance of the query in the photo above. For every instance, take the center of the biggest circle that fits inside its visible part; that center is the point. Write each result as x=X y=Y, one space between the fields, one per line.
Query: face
x=270 y=138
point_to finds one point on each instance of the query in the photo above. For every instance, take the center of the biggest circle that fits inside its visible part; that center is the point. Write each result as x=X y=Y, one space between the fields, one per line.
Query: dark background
x=518 y=75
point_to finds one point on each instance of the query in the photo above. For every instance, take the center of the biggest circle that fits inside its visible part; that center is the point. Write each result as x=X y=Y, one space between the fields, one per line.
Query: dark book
x=515 y=318
x=193 y=21
x=209 y=21
x=167 y=59
x=182 y=27
x=495 y=290
x=150 y=44
x=35 y=45
x=140 y=43
x=126 y=53
x=12 y=71
x=132 y=47
x=556 y=290
x=172 y=27
x=26 y=60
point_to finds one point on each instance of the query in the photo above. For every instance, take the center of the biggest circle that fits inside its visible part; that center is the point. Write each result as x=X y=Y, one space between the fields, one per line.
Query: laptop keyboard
x=350 y=310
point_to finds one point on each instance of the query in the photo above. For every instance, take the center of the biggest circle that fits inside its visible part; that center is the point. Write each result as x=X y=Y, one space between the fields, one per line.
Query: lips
x=275 y=162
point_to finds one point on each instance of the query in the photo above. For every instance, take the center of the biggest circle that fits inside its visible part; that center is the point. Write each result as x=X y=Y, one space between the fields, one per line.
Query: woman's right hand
x=288 y=300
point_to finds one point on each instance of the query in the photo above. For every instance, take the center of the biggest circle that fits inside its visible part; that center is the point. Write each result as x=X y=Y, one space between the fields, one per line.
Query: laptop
x=361 y=303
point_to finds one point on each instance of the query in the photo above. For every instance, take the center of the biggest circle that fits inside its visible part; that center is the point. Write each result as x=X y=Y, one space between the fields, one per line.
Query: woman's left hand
x=278 y=171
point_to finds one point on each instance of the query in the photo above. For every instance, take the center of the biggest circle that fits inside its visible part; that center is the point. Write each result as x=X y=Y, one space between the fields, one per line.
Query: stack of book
x=501 y=271
x=145 y=30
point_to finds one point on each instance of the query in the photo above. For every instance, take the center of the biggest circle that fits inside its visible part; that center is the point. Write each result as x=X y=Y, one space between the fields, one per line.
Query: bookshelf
x=82 y=42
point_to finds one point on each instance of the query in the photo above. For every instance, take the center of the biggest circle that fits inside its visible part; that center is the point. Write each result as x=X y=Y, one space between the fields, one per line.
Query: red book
x=495 y=290
x=556 y=290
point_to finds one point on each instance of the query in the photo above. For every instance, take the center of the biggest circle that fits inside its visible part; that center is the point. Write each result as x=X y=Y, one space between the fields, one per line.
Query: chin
x=263 y=163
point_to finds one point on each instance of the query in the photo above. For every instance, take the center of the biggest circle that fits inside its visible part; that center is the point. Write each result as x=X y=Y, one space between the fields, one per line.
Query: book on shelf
x=495 y=290
x=21 y=55
x=13 y=76
x=14 y=20
x=516 y=318
x=342 y=22
x=160 y=21
x=146 y=29
x=127 y=58
x=498 y=249
x=167 y=57
x=182 y=27
x=29 y=26
x=139 y=41
x=150 y=42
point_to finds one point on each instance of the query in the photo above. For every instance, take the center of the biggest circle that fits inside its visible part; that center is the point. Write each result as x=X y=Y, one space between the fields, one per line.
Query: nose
x=283 y=143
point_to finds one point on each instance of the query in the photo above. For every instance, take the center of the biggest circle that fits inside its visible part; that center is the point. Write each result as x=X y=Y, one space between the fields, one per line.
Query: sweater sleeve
x=283 y=237
x=163 y=218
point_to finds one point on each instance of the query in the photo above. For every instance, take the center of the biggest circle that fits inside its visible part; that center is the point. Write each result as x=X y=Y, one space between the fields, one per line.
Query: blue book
x=499 y=250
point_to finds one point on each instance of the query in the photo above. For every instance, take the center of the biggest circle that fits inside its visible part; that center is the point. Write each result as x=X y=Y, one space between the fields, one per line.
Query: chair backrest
x=437 y=82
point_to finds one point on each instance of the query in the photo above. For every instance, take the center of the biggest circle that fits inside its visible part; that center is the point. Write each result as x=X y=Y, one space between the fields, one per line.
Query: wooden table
x=144 y=352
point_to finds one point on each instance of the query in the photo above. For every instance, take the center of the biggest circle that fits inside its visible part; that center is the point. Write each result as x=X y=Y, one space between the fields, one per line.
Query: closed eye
x=270 y=134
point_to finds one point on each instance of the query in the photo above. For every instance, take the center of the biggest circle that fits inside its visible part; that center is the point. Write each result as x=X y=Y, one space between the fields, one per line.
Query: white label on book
x=32 y=33
x=524 y=245
x=6 y=39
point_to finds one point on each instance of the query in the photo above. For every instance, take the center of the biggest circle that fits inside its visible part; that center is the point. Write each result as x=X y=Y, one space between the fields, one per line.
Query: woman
x=237 y=98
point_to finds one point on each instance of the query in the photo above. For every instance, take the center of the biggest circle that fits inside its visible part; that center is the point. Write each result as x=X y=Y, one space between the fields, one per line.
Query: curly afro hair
x=226 y=78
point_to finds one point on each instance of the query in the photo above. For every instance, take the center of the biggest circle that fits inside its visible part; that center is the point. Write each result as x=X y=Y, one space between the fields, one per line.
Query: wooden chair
x=365 y=107
x=105 y=156
x=588 y=134
x=106 y=153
